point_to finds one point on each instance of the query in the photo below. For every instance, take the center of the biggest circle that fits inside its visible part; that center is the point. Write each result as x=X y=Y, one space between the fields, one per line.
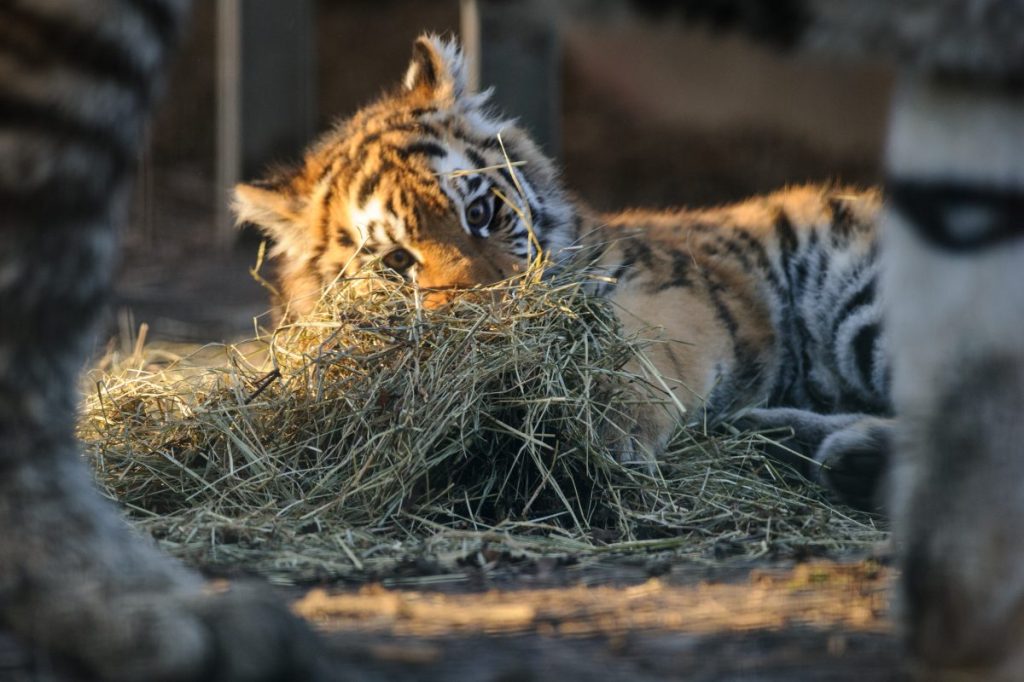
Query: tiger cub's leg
x=954 y=278
x=638 y=426
x=846 y=453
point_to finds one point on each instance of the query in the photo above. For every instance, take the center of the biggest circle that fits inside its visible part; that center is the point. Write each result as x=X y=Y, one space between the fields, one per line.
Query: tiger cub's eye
x=479 y=213
x=398 y=260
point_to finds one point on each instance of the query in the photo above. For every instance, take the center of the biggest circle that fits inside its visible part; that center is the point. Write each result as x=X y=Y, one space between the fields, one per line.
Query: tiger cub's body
x=766 y=303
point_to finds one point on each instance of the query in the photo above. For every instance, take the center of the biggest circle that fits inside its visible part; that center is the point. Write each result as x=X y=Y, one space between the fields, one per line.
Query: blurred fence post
x=514 y=46
x=266 y=108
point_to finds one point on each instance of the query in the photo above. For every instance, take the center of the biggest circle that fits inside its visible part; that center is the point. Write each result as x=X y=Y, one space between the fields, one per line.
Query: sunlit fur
x=767 y=303
x=385 y=178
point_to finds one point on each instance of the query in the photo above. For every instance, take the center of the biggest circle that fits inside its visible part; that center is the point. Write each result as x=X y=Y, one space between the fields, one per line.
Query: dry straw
x=377 y=438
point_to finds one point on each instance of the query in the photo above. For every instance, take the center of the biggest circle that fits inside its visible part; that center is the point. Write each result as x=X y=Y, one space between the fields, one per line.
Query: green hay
x=378 y=438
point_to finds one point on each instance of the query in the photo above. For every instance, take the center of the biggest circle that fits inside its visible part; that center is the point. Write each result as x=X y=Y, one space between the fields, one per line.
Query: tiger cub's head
x=426 y=182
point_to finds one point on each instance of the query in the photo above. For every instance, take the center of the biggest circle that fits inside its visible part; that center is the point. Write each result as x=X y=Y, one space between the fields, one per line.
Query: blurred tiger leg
x=954 y=282
x=76 y=583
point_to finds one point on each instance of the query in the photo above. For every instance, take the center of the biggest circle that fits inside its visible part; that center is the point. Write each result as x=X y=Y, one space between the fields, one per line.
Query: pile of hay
x=378 y=437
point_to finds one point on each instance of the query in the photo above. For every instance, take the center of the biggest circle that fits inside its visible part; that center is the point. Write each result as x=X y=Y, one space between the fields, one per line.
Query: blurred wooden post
x=514 y=46
x=265 y=91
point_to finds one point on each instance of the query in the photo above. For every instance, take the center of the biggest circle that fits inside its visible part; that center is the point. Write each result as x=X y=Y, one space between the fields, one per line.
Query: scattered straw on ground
x=378 y=437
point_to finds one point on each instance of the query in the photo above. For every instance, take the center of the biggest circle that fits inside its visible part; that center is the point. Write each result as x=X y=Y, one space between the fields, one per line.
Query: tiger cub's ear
x=277 y=206
x=437 y=69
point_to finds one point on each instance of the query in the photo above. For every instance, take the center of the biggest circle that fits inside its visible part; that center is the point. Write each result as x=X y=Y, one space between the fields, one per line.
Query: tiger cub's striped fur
x=769 y=302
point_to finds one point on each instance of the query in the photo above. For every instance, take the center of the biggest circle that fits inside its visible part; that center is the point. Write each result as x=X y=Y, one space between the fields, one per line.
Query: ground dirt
x=821 y=621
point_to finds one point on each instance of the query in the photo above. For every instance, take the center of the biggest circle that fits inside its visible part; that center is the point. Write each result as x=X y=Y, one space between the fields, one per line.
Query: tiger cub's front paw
x=637 y=438
x=846 y=453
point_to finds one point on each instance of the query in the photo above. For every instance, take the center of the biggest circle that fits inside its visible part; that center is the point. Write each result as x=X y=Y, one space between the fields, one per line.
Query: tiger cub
x=769 y=302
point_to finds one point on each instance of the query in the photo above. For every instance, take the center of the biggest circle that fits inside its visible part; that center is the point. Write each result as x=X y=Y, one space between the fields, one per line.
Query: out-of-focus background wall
x=647 y=113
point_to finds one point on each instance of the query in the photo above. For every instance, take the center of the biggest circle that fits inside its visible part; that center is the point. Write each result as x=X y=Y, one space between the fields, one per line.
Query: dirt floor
x=819 y=621
x=822 y=621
